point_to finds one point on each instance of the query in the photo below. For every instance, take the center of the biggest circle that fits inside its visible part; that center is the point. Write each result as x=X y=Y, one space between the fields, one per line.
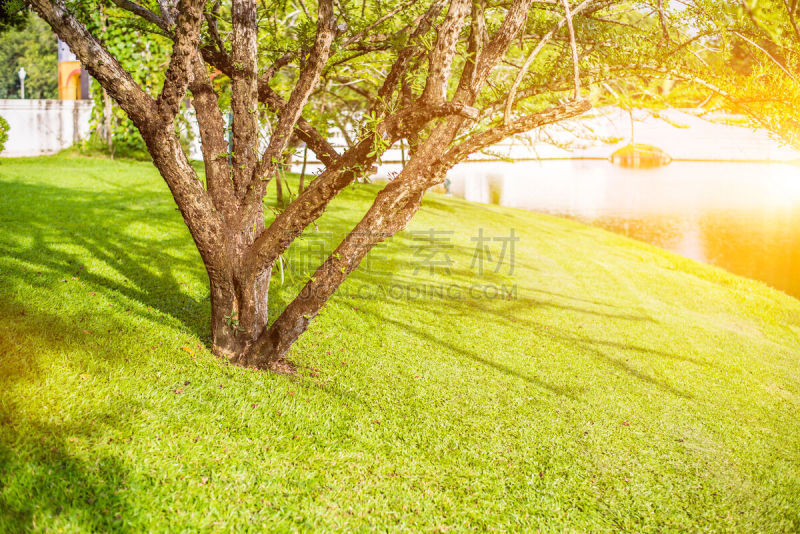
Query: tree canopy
x=449 y=78
x=757 y=60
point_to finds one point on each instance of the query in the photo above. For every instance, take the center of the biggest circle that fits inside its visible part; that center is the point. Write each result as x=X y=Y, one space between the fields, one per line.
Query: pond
x=743 y=217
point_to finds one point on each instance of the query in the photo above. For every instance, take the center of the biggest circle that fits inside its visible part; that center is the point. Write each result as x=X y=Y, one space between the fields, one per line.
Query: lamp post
x=22 y=75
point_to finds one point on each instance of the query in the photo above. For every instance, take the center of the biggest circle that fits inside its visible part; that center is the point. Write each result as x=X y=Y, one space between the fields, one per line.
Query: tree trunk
x=107 y=106
x=239 y=315
x=302 y=183
x=278 y=189
x=107 y=112
x=390 y=213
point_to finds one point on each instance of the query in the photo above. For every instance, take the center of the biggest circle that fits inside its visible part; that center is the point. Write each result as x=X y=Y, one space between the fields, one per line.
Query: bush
x=3 y=133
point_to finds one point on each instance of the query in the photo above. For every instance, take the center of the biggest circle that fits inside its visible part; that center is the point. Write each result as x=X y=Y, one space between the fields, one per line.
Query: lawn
x=603 y=385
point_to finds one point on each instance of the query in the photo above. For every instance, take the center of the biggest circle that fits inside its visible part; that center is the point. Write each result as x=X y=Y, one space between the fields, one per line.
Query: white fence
x=39 y=127
x=46 y=126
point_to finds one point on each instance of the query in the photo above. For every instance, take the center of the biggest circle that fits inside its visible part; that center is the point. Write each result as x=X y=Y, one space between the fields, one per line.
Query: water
x=743 y=217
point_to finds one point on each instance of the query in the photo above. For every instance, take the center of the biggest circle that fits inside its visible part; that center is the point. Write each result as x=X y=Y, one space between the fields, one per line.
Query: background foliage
x=34 y=47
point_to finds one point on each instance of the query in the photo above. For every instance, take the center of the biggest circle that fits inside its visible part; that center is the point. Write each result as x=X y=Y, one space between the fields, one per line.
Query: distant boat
x=640 y=156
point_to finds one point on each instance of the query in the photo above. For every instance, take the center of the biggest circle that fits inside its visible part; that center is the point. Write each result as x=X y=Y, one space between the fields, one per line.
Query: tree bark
x=278 y=189
x=107 y=111
x=301 y=185
x=239 y=314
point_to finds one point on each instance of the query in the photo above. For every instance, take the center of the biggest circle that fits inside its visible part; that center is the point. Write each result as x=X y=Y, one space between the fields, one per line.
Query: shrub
x=3 y=133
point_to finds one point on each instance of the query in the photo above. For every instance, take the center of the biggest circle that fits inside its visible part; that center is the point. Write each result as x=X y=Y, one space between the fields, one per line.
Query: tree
x=768 y=89
x=33 y=46
x=745 y=58
x=448 y=77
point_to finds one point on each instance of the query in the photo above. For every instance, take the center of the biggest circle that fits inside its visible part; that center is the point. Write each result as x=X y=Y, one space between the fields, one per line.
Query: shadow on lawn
x=56 y=230
x=140 y=236
x=41 y=482
x=52 y=233
x=142 y=239
x=590 y=346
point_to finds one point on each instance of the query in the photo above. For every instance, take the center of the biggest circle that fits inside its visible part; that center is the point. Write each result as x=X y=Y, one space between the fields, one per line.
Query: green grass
x=623 y=388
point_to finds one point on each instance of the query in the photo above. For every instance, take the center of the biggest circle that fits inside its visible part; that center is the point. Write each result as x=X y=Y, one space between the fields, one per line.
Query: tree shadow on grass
x=45 y=483
x=42 y=483
x=509 y=315
x=136 y=233
x=513 y=315
x=570 y=393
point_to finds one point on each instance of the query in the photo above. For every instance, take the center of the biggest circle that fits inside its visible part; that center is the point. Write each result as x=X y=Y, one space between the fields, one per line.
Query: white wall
x=40 y=127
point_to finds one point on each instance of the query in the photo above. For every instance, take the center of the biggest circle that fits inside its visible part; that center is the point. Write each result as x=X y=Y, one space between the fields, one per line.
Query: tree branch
x=166 y=7
x=212 y=137
x=377 y=23
x=766 y=53
x=311 y=203
x=304 y=130
x=408 y=52
x=475 y=73
x=512 y=92
x=213 y=28
x=290 y=114
x=244 y=85
x=574 y=47
x=792 y=20
x=308 y=207
x=144 y=13
x=184 y=49
x=496 y=134
x=441 y=56
x=662 y=21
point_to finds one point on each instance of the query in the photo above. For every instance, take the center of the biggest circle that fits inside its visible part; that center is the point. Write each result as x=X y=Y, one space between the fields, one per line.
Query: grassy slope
x=624 y=387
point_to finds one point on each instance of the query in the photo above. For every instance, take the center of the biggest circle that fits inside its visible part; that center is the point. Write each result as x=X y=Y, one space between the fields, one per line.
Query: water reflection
x=743 y=217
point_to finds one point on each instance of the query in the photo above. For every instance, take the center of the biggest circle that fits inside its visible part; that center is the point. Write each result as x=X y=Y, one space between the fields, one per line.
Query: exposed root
x=283 y=367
